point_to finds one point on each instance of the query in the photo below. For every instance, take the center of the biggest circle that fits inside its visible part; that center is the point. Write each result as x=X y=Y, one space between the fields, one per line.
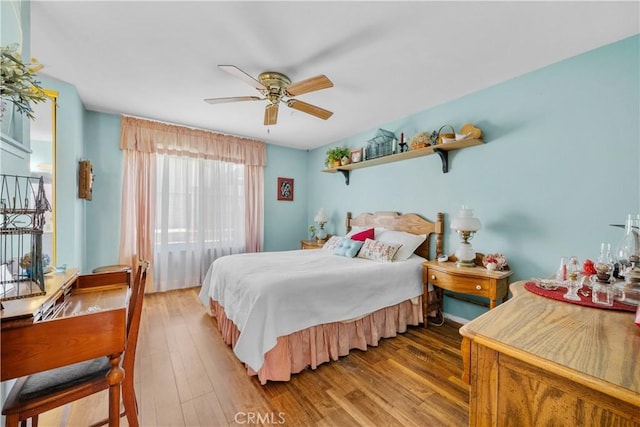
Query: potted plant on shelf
x=335 y=155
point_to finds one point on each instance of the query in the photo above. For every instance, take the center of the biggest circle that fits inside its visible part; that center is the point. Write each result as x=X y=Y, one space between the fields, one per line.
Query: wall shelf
x=441 y=150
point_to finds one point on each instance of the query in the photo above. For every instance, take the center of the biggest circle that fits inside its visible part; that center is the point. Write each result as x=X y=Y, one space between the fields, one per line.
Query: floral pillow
x=378 y=251
x=330 y=245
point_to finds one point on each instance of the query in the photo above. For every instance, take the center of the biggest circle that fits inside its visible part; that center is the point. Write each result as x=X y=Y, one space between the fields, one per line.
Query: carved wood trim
x=411 y=223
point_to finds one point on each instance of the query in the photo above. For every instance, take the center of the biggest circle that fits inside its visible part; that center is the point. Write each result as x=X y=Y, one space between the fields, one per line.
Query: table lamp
x=321 y=219
x=465 y=225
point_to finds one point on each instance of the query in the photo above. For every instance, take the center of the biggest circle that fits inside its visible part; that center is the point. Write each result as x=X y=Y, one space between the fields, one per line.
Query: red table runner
x=557 y=294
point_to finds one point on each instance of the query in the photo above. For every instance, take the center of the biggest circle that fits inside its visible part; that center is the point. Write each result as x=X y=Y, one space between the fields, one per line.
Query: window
x=200 y=216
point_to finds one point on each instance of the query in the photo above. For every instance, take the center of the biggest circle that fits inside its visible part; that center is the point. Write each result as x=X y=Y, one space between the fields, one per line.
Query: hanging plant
x=18 y=83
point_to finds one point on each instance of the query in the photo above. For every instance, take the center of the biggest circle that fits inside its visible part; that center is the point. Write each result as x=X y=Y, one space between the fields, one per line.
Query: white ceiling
x=158 y=60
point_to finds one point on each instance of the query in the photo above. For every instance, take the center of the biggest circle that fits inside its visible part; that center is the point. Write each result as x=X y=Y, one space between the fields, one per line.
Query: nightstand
x=311 y=244
x=478 y=281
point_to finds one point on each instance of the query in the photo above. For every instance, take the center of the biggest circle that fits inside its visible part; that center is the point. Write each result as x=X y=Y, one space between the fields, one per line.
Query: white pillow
x=410 y=242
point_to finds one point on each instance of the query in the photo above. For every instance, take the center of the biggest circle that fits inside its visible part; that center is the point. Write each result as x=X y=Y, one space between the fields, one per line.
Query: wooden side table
x=477 y=281
x=310 y=244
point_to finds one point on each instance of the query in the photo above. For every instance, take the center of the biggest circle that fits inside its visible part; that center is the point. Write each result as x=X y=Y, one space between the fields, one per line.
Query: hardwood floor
x=187 y=376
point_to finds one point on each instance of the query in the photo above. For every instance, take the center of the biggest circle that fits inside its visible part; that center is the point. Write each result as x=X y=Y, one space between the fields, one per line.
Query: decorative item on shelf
x=444 y=137
x=403 y=146
x=356 y=155
x=335 y=155
x=465 y=224
x=381 y=144
x=470 y=131
x=321 y=220
x=19 y=84
x=345 y=160
x=495 y=262
x=420 y=140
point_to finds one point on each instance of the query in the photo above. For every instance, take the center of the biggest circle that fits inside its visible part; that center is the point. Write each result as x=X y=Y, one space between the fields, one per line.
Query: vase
x=491 y=266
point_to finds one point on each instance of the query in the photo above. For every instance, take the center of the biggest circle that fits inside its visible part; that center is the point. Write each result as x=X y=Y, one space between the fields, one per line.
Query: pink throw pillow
x=364 y=235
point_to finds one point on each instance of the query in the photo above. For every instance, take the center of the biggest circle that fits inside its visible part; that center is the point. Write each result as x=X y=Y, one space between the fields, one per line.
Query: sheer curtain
x=200 y=211
x=188 y=197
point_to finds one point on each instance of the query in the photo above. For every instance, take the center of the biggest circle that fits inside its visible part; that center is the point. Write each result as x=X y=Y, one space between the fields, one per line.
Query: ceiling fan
x=276 y=88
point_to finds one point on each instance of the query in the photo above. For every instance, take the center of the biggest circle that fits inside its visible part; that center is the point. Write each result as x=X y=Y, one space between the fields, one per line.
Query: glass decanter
x=604 y=264
x=630 y=243
x=573 y=283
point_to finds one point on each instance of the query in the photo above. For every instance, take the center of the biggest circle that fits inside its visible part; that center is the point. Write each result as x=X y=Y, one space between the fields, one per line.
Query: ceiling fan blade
x=233 y=99
x=271 y=114
x=309 y=85
x=309 y=109
x=237 y=72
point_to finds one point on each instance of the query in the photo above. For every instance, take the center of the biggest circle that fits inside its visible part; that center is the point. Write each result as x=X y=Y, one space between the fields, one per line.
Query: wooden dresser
x=536 y=361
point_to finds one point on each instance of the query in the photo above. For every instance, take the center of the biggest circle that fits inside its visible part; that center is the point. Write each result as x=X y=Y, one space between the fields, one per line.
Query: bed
x=283 y=312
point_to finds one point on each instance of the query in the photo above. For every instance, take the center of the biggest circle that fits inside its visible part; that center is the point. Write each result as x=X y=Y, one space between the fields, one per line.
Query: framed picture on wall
x=285 y=189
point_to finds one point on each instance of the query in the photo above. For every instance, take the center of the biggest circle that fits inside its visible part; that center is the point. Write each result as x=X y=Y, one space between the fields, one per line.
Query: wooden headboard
x=411 y=223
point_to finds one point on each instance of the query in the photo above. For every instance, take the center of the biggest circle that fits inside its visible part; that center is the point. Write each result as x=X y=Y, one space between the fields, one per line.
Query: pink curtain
x=140 y=140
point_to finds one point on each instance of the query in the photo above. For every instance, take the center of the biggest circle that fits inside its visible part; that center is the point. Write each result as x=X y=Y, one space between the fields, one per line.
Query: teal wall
x=102 y=148
x=285 y=221
x=560 y=163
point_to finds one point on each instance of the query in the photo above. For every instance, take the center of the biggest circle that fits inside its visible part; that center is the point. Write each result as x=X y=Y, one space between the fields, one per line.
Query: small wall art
x=285 y=189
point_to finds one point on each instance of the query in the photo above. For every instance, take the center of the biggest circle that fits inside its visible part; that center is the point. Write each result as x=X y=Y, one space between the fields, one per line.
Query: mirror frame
x=53 y=101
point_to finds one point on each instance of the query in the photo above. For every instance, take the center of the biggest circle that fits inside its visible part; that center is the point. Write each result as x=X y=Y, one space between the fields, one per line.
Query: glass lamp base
x=321 y=236
x=462 y=263
x=465 y=255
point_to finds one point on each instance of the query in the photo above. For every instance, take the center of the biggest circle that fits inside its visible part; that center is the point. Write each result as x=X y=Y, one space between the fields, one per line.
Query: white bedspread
x=272 y=294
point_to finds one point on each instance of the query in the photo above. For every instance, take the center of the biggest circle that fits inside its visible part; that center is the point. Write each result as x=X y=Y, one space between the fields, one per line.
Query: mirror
x=43 y=164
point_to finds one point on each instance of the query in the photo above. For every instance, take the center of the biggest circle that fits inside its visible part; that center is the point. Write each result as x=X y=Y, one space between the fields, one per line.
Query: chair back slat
x=134 y=315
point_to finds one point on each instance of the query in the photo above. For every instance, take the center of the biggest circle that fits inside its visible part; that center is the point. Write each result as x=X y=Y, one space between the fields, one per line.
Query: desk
x=536 y=361
x=80 y=318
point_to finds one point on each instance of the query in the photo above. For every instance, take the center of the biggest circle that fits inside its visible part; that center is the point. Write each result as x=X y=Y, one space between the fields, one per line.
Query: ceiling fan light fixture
x=275 y=87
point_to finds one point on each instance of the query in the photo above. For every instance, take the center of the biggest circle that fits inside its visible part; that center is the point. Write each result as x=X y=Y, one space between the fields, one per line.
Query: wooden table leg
x=114 y=377
x=465 y=348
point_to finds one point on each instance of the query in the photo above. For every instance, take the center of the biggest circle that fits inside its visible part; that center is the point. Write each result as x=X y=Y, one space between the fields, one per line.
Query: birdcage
x=23 y=204
x=381 y=144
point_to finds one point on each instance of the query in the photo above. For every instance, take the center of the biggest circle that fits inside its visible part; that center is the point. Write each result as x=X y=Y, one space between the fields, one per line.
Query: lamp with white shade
x=321 y=220
x=465 y=224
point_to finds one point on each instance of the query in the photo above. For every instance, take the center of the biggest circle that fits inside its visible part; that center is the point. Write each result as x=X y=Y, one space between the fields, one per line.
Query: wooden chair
x=43 y=391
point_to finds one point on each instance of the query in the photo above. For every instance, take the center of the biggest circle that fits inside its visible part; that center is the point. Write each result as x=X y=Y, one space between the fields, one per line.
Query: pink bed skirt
x=318 y=344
